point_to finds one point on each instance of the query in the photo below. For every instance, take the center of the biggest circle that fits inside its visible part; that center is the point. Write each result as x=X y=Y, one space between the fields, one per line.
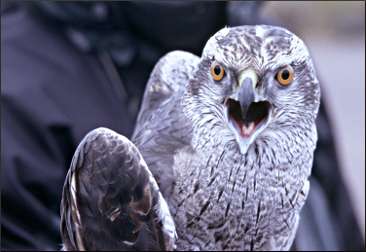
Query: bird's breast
x=222 y=201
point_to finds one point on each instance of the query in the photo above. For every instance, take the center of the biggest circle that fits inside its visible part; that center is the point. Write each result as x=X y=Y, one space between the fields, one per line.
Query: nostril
x=259 y=83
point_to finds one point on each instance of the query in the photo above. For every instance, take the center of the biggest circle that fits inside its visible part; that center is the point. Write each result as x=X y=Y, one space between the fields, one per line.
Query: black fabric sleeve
x=33 y=161
x=51 y=96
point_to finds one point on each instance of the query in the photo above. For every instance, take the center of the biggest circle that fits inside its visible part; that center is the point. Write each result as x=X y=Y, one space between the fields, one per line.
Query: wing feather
x=110 y=197
x=162 y=128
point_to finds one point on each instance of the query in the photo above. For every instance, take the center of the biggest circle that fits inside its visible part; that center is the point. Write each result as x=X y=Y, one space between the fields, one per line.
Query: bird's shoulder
x=167 y=81
x=162 y=127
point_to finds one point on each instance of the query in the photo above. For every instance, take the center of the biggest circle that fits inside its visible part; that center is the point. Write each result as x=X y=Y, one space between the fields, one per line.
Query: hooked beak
x=247 y=81
x=248 y=112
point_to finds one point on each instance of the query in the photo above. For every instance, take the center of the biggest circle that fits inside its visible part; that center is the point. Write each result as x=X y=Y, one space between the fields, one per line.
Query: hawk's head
x=251 y=82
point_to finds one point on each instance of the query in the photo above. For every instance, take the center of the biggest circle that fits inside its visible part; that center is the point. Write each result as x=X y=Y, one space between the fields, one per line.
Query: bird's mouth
x=255 y=116
x=247 y=124
x=247 y=110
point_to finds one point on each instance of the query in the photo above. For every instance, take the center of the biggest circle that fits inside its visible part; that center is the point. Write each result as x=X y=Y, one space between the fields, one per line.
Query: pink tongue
x=247 y=131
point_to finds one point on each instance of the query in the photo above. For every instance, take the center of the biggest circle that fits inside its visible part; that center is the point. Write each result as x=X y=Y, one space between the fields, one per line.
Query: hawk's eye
x=285 y=75
x=217 y=71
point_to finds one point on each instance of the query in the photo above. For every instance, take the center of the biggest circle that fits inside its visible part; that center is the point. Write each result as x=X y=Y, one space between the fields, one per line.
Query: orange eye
x=285 y=76
x=217 y=71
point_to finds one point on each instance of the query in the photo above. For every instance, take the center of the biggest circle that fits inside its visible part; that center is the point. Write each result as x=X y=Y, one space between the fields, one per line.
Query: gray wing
x=110 y=199
x=161 y=127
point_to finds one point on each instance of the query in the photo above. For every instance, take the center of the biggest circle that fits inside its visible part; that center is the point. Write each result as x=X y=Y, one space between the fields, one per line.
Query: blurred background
x=69 y=67
x=335 y=35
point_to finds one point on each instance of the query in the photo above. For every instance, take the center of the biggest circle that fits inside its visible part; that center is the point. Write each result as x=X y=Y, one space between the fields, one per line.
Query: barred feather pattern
x=221 y=199
x=185 y=154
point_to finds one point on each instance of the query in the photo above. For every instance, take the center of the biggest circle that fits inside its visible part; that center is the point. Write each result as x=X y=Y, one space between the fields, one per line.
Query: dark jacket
x=51 y=96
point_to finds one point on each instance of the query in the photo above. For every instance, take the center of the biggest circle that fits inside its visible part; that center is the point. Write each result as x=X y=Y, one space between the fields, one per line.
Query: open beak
x=248 y=113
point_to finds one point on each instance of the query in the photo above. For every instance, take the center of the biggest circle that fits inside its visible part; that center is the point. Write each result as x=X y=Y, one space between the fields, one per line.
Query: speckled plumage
x=220 y=197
